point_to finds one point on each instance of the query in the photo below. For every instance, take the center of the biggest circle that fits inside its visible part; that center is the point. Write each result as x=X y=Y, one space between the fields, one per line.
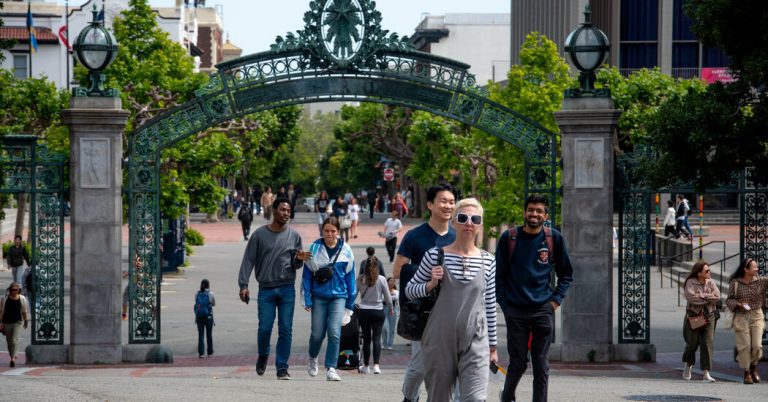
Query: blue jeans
x=390 y=325
x=326 y=317
x=281 y=299
x=204 y=329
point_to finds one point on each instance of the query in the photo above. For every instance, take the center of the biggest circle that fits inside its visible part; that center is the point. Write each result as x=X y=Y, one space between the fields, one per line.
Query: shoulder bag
x=415 y=313
x=697 y=321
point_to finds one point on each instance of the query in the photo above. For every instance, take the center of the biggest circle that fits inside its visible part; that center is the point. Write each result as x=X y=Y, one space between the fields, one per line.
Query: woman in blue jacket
x=328 y=285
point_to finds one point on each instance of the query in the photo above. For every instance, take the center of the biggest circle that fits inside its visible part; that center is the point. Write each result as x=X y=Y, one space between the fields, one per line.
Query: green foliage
x=7 y=246
x=30 y=105
x=188 y=250
x=4 y=43
x=193 y=237
x=639 y=97
x=315 y=139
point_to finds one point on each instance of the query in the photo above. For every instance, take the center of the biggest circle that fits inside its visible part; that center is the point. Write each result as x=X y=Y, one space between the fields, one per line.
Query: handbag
x=325 y=273
x=697 y=321
x=345 y=223
x=414 y=314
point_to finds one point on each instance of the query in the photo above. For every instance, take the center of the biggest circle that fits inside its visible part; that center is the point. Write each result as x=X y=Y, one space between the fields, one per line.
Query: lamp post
x=96 y=48
x=587 y=49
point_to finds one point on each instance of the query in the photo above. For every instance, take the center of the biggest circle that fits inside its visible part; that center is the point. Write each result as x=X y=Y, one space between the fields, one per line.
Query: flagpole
x=66 y=45
x=29 y=34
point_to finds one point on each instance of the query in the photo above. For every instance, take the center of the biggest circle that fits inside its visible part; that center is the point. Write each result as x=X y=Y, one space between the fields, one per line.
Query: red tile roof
x=21 y=34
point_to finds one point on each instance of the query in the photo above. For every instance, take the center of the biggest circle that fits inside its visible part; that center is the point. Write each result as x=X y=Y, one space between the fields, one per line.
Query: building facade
x=643 y=33
x=197 y=28
x=480 y=40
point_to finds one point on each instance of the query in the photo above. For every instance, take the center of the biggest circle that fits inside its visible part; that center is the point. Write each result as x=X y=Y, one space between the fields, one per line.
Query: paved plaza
x=229 y=374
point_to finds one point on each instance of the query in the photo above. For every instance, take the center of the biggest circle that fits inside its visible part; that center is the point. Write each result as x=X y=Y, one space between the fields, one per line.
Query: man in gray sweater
x=273 y=254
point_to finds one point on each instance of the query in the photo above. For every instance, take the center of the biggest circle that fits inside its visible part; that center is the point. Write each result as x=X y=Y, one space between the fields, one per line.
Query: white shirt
x=391 y=226
x=352 y=210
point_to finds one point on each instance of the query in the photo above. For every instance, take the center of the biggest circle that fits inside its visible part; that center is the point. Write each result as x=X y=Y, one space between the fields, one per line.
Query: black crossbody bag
x=415 y=313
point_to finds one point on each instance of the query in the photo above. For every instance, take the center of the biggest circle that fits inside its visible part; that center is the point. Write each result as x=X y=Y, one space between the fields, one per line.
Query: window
x=21 y=66
x=639 y=34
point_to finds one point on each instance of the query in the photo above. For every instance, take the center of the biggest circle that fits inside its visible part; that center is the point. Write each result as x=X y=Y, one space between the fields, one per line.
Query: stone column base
x=47 y=354
x=603 y=353
x=151 y=353
x=95 y=354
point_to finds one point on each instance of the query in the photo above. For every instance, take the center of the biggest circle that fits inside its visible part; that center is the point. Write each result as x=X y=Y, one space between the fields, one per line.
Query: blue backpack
x=202 y=305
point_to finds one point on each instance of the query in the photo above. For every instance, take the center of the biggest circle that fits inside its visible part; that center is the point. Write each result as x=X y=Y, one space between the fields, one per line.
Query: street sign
x=389 y=174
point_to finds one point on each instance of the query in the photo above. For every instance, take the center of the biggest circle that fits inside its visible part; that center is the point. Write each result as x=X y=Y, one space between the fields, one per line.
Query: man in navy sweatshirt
x=524 y=292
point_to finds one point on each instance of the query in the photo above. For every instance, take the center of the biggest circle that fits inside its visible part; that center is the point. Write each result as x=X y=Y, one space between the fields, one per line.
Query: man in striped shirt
x=524 y=293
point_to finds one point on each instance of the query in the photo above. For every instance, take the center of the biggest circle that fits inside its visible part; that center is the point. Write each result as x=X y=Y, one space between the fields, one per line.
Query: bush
x=7 y=246
x=188 y=250
x=194 y=238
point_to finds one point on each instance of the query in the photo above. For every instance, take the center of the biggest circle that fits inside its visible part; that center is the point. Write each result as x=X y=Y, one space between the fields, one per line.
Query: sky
x=253 y=24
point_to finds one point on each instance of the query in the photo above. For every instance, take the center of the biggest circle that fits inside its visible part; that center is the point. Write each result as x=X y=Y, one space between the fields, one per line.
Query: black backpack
x=415 y=313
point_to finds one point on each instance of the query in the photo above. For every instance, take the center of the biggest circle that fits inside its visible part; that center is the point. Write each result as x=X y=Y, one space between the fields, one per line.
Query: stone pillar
x=96 y=152
x=587 y=134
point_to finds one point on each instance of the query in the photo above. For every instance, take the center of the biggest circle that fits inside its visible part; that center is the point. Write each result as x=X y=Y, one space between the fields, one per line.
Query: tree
x=4 y=43
x=316 y=135
x=724 y=129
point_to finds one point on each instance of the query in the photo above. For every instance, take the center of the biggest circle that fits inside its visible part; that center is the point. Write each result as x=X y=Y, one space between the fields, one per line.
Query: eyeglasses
x=706 y=271
x=463 y=218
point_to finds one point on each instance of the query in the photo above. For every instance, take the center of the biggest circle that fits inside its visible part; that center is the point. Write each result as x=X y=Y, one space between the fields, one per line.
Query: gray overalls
x=455 y=340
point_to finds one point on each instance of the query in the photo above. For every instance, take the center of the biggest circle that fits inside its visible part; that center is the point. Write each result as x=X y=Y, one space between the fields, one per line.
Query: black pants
x=523 y=322
x=371 y=321
x=207 y=325
x=670 y=230
x=391 y=245
x=370 y=209
x=246 y=229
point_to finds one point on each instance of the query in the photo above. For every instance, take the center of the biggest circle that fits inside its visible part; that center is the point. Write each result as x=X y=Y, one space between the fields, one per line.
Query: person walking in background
x=437 y=232
x=459 y=340
x=370 y=251
x=256 y=196
x=525 y=295
x=354 y=215
x=390 y=325
x=18 y=257
x=746 y=300
x=14 y=312
x=245 y=216
x=399 y=205
x=292 y=195
x=392 y=226
x=408 y=197
x=374 y=295
x=702 y=296
x=371 y=196
x=321 y=208
x=328 y=285
x=340 y=212
x=266 y=202
x=680 y=215
x=272 y=254
x=204 y=302
x=687 y=208
x=669 y=220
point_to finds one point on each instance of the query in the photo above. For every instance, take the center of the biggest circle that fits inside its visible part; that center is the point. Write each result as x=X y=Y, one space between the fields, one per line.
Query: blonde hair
x=467 y=202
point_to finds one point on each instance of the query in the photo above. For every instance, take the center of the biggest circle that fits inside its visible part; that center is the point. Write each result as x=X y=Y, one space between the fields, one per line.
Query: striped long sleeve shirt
x=464 y=270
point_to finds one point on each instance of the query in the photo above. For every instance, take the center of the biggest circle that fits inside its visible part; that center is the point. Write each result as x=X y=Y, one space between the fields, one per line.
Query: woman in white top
x=374 y=293
x=669 y=220
x=353 y=210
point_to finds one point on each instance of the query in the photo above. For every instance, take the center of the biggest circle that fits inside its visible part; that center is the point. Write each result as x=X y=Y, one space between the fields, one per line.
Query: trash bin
x=173 y=244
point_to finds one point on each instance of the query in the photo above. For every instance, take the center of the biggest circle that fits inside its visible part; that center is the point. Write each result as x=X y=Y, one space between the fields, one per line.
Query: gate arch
x=317 y=64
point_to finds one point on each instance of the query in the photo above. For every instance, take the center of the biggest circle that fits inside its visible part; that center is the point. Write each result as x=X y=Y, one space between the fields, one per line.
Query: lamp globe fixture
x=95 y=48
x=587 y=48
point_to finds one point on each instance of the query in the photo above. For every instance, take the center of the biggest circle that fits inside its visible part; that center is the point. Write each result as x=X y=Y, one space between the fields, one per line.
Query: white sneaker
x=364 y=370
x=312 y=369
x=376 y=369
x=332 y=375
x=687 y=372
x=707 y=377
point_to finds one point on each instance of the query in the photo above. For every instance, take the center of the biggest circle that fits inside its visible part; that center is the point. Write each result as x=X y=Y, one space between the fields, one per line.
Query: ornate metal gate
x=342 y=54
x=635 y=203
x=30 y=168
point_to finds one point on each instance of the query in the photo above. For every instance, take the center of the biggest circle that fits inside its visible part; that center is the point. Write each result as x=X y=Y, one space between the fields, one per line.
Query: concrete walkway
x=229 y=373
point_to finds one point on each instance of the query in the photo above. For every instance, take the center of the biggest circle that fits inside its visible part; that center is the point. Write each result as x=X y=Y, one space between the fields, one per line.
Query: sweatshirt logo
x=543 y=254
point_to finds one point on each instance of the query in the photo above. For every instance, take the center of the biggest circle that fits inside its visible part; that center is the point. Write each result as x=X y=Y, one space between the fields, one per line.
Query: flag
x=63 y=37
x=31 y=28
x=100 y=15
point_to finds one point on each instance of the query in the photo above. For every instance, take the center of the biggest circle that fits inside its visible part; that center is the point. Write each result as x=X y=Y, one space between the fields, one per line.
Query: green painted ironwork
x=28 y=168
x=635 y=203
x=342 y=54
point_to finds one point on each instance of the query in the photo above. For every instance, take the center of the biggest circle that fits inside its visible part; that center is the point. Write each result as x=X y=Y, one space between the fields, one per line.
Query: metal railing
x=661 y=259
x=722 y=267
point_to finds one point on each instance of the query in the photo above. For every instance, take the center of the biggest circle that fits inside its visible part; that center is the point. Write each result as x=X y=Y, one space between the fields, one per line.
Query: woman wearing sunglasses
x=14 y=309
x=459 y=340
x=746 y=298
x=702 y=296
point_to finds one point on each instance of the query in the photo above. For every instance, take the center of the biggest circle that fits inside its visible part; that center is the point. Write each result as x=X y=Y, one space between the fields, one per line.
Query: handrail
x=722 y=266
x=661 y=266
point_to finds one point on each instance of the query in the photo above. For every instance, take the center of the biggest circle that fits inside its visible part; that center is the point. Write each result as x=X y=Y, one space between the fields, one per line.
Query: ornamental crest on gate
x=342 y=35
